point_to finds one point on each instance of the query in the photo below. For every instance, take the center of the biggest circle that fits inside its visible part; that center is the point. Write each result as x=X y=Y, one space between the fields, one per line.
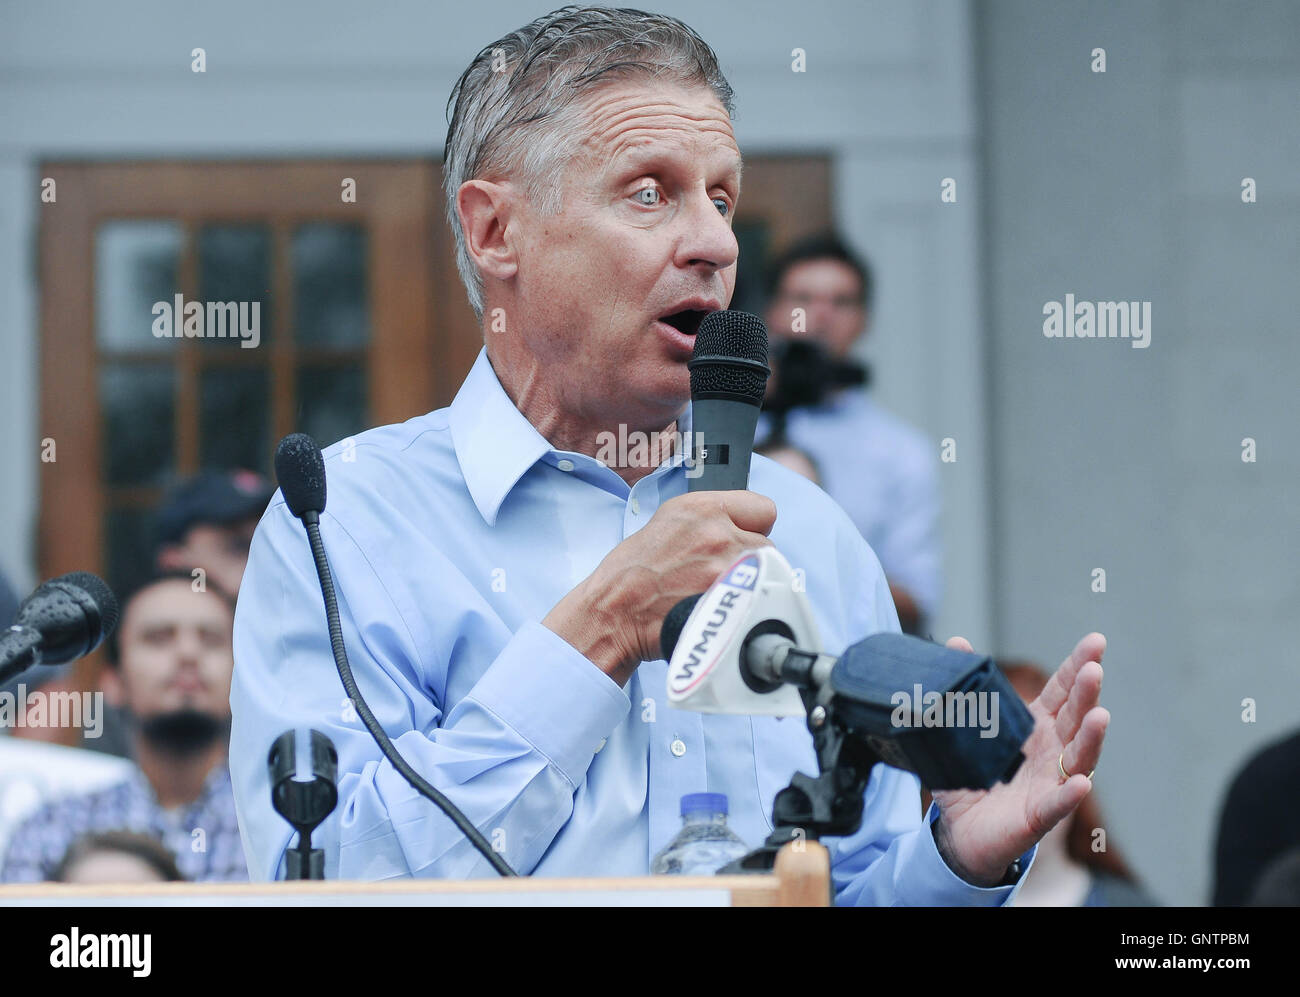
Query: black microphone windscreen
x=300 y=471
x=730 y=358
x=98 y=592
x=71 y=614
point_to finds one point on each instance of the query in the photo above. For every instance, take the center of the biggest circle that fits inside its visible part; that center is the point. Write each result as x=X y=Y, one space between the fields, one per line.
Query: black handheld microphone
x=64 y=619
x=728 y=378
x=300 y=471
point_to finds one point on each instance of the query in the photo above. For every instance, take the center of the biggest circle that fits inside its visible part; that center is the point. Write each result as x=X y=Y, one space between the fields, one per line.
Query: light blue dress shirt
x=884 y=473
x=450 y=537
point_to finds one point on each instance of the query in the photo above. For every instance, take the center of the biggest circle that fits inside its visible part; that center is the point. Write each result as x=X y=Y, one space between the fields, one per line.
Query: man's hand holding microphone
x=613 y=617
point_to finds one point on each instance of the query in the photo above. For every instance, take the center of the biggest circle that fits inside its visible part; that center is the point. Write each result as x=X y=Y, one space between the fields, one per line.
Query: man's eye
x=725 y=210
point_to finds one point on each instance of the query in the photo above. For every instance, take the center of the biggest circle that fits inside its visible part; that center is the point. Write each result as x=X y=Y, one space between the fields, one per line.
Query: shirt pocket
x=782 y=747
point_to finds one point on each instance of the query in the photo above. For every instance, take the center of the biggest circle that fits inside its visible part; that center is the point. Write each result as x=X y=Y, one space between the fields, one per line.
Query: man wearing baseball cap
x=207 y=521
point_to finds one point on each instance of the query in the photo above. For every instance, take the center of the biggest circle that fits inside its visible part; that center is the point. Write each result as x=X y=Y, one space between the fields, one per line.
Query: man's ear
x=486 y=211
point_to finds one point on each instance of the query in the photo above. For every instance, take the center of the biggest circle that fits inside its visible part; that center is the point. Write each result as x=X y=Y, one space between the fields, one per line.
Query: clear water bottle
x=705 y=843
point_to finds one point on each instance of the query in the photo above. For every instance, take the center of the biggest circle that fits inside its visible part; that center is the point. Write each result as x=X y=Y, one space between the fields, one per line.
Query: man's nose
x=820 y=313
x=709 y=239
x=189 y=648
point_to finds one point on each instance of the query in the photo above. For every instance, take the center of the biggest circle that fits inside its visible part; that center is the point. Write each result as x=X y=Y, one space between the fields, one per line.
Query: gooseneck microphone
x=64 y=619
x=728 y=378
x=300 y=472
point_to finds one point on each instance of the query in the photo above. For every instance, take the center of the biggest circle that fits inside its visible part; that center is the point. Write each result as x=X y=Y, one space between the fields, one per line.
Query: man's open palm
x=987 y=830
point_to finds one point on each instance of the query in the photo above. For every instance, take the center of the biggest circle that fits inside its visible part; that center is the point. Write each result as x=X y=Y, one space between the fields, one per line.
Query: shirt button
x=603 y=742
x=565 y=465
x=636 y=507
x=678 y=747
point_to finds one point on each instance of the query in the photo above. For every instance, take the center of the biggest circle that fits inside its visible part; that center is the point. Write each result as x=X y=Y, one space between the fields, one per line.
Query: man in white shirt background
x=882 y=471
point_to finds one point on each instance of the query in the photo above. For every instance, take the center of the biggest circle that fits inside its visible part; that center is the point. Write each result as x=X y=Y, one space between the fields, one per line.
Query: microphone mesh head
x=300 y=471
x=100 y=594
x=730 y=358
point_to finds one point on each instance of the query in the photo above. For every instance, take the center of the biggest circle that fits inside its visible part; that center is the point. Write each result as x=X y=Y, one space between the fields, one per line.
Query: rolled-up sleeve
x=509 y=754
x=893 y=861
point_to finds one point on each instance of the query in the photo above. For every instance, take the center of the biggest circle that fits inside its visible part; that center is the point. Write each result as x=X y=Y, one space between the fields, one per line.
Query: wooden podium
x=801 y=879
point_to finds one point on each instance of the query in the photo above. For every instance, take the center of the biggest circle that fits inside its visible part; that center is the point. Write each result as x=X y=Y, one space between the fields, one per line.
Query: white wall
x=1127 y=185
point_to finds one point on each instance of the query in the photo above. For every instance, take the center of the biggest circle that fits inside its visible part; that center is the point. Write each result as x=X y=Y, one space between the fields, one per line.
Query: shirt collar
x=495 y=444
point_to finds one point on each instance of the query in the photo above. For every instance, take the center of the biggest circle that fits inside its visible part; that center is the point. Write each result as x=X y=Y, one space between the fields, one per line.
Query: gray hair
x=517 y=105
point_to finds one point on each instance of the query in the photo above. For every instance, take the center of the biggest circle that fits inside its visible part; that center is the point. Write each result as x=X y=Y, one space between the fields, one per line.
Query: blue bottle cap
x=704 y=803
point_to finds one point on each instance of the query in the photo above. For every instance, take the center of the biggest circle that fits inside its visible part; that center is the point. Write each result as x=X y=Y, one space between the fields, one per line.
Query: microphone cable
x=300 y=466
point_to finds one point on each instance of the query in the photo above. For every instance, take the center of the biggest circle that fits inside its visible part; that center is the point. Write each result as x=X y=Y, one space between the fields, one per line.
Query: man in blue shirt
x=882 y=471
x=501 y=589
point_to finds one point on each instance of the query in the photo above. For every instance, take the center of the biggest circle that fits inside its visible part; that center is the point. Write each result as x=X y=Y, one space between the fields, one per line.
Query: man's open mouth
x=687 y=321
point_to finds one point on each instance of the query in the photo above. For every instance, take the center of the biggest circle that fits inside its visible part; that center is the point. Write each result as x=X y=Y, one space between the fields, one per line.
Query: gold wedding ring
x=1066 y=775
